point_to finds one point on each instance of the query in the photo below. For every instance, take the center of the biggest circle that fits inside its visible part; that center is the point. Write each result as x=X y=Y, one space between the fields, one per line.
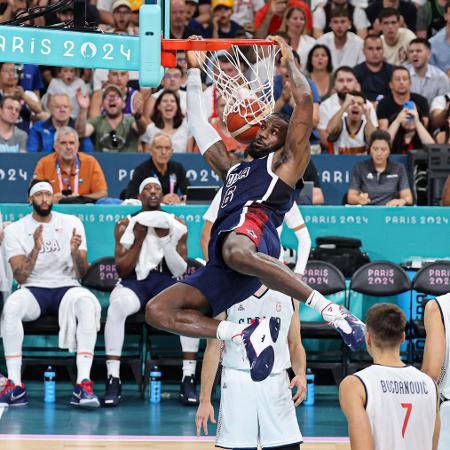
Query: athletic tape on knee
x=204 y=133
x=189 y=344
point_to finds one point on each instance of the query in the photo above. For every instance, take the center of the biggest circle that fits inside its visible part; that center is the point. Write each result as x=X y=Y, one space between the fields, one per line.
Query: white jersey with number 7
x=401 y=405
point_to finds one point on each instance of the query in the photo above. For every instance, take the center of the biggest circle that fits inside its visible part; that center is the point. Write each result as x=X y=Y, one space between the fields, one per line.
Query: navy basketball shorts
x=49 y=299
x=221 y=285
x=146 y=289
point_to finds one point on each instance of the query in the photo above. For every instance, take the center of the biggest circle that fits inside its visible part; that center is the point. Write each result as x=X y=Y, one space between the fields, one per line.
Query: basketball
x=244 y=125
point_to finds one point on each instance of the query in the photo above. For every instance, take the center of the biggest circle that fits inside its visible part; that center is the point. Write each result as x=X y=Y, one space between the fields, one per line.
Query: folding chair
x=377 y=279
x=327 y=279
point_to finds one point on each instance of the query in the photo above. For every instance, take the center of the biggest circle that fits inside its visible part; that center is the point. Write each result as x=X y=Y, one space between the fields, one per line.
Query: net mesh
x=246 y=87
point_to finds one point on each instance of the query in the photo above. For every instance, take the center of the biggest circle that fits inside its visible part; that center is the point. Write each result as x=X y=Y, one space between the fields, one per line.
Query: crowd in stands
x=372 y=65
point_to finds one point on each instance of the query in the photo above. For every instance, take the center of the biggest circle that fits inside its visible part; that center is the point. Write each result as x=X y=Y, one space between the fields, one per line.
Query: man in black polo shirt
x=171 y=174
x=374 y=74
x=392 y=104
x=379 y=181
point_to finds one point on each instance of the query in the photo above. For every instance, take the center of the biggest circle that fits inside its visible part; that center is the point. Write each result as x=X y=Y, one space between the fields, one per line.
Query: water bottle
x=309 y=388
x=49 y=385
x=155 y=385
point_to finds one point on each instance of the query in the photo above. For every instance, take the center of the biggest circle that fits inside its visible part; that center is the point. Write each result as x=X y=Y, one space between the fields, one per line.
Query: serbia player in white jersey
x=253 y=414
x=48 y=256
x=436 y=358
x=389 y=405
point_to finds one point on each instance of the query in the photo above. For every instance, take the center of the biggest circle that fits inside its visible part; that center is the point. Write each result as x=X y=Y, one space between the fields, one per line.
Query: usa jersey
x=54 y=266
x=401 y=405
x=270 y=304
x=253 y=183
x=444 y=379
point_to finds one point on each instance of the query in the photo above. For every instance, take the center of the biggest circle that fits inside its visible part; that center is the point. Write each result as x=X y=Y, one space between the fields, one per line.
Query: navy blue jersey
x=253 y=183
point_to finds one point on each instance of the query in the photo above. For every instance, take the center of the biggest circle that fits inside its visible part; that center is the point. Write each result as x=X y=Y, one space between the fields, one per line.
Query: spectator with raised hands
x=42 y=135
x=349 y=130
x=320 y=69
x=222 y=26
x=167 y=117
x=345 y=46
x=114 y=131
x=269 y=18
x=294 y=25
x=426 y=79
x=120 y=78
x=244 y=13
x=378 y=180
x=322 y=16
x=395 y=38
x=408 y=132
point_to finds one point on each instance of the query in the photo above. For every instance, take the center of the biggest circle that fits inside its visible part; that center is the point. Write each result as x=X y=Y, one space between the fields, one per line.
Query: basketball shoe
x=349 y=326
x=258 y=339
x=13 y=395
x=188 y=391
x=83 y=395
x=113 y=391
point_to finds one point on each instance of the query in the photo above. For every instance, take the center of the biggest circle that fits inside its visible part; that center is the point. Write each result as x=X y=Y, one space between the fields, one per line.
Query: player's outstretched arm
x=294 y=157
x=208 y=139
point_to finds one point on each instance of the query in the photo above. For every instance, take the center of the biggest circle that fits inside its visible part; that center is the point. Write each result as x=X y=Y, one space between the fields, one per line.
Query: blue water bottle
x=309 y=388
x=49 y=385
x=155 y=385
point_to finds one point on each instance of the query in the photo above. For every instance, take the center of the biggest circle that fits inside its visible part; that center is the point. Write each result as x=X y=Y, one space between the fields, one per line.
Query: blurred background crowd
x=375 y=66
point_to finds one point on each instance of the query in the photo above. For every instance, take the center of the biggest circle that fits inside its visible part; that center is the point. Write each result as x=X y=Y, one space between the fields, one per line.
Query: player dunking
x=244 y=244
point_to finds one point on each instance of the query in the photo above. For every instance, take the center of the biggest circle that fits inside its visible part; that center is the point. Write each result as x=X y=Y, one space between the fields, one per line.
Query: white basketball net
x=248 y=93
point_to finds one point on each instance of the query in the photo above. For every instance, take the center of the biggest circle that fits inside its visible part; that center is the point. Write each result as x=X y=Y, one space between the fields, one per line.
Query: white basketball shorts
x=444 y=435
x=256 y=413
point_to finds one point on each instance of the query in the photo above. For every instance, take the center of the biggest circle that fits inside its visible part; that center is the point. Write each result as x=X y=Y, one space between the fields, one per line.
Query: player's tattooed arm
x=23 y=265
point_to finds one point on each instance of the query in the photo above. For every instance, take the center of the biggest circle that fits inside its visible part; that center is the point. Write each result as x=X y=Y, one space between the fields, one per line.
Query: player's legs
x=20 y=306
x=123 y=302
x=240 y=254
x=277 y=419
x=188 y=386
x=237 y=425
x=181 y=309
x=84 y=306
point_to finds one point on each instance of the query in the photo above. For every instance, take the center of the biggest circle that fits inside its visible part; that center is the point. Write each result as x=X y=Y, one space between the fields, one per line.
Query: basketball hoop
x=247 y=87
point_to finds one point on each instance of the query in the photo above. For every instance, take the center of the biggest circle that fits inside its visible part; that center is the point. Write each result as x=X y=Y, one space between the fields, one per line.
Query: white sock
x=327 y=309
x=226 y=330
x=113 y=368
x=189 y=366
x=84 y=364
x=14 y=366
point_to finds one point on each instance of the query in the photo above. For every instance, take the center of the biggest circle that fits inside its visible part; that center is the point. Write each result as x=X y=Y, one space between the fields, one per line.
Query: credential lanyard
x=75 y=181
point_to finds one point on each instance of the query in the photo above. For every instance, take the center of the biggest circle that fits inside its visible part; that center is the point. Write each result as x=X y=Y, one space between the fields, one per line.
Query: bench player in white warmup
x=389 y=405
x=436 y=358
x=48 y=256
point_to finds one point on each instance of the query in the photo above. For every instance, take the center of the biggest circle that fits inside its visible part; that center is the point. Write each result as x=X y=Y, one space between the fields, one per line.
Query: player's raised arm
x=208 y=140
x=294 y=157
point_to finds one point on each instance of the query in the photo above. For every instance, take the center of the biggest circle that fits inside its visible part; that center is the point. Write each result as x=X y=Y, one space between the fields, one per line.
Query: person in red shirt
x=268 y=19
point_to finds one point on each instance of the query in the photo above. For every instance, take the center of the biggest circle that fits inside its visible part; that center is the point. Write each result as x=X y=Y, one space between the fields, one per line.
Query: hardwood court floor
x=95 y=445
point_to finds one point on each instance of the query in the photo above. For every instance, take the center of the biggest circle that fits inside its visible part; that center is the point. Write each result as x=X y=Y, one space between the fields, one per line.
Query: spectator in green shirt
x=114 y=131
